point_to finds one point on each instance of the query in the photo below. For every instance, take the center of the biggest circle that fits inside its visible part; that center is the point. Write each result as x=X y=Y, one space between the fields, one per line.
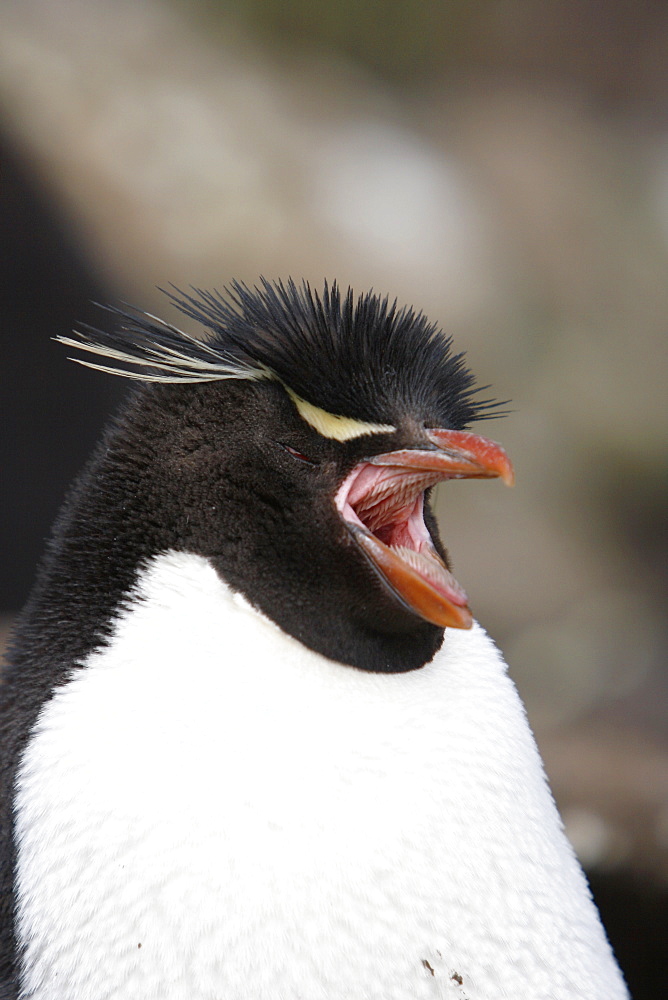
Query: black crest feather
x=357 y=357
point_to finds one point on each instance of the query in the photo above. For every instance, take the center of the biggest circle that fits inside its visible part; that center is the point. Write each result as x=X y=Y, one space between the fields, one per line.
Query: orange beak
x=382 y=503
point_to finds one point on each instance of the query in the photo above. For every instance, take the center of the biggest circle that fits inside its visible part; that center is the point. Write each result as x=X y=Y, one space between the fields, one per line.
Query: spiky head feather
x=361 y=358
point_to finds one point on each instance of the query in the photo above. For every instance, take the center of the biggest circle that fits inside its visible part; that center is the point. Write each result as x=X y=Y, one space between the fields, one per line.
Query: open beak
x=382 y=503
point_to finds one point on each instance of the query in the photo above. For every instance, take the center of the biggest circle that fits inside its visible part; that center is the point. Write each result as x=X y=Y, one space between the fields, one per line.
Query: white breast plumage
x=255 y=821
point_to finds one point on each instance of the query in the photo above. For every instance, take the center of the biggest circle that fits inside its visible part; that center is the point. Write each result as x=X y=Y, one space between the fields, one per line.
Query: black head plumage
x=363 y=358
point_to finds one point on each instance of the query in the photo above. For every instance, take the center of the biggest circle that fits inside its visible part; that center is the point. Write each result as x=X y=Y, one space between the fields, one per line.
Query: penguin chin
x=383 y=508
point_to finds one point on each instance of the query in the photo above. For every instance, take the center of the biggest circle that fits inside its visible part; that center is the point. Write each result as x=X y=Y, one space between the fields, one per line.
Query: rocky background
x=503 y=166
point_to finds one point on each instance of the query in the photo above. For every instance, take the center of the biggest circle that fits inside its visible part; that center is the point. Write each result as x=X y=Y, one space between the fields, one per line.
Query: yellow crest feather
x=332 y=425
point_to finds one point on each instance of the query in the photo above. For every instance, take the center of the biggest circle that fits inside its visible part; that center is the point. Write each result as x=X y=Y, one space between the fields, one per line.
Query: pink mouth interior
x=388 y=502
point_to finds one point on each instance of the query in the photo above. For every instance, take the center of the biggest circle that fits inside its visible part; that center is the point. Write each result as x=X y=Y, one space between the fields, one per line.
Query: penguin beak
x=382 y=504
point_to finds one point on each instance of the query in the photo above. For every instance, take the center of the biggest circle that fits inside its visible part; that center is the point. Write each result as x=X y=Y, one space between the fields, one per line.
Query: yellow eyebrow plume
x=331 y=425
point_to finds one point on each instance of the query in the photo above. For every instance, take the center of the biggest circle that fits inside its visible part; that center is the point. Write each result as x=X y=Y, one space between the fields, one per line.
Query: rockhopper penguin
x=254 y=747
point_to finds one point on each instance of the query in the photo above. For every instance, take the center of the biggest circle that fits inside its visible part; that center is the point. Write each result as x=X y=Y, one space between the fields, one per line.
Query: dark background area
x=51 y=415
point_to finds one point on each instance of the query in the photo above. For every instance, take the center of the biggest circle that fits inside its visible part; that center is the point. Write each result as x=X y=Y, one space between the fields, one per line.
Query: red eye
x=297 y=454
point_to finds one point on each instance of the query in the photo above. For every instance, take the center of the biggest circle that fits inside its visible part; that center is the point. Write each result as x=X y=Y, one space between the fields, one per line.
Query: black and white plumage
x=245 y=753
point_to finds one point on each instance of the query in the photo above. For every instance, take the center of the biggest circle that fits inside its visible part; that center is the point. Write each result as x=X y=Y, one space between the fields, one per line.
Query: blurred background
x=502 y=166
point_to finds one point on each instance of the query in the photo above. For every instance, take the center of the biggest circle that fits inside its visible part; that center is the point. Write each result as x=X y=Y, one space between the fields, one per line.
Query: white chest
x=208 y=810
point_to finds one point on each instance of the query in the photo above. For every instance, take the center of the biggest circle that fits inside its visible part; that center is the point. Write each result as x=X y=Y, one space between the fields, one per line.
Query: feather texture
x=361 y=358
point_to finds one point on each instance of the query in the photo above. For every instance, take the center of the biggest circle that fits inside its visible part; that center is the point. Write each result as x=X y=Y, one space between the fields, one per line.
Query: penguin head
x=296 y=447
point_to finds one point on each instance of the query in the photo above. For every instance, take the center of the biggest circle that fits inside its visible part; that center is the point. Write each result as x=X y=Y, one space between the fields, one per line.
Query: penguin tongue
x=382 y=502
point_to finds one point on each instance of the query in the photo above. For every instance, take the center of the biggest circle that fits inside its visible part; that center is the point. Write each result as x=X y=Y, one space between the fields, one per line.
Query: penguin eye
x=296 y=454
